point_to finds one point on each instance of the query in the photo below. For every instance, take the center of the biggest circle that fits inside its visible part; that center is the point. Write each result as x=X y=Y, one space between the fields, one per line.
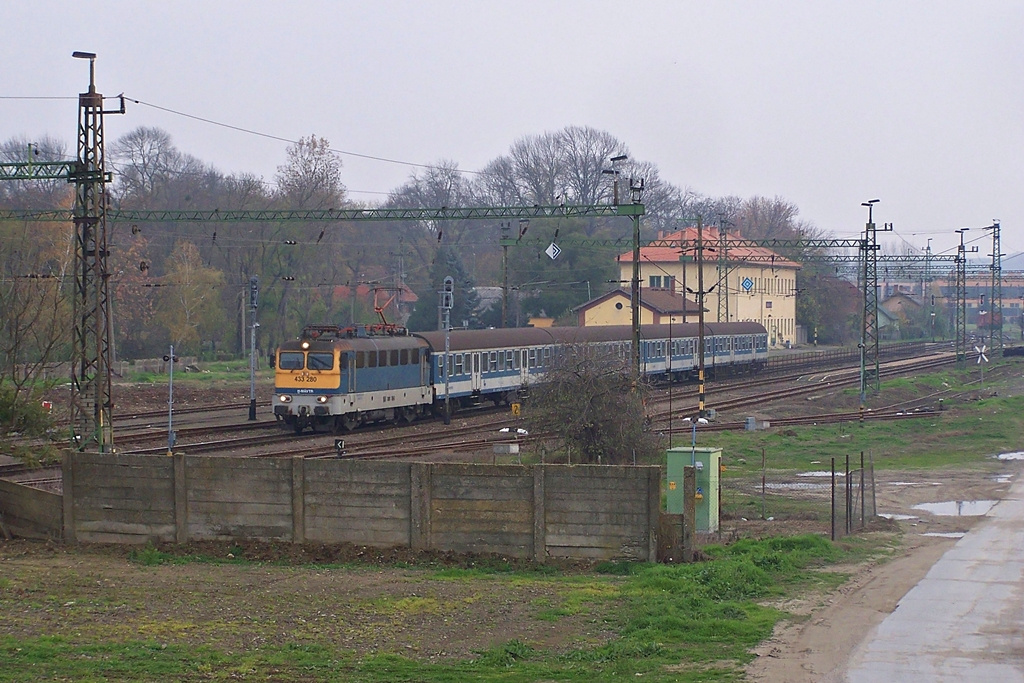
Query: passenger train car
x=338 y=378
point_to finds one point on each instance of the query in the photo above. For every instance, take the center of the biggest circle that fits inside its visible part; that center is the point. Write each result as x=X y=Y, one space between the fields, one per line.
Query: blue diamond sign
x=747 y=284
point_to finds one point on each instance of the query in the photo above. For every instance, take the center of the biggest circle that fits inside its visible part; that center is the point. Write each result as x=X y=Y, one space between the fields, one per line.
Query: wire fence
x=838 y=499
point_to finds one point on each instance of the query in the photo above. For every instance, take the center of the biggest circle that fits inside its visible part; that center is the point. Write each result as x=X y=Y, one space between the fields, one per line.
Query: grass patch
x=691 y=622
x=966 y=436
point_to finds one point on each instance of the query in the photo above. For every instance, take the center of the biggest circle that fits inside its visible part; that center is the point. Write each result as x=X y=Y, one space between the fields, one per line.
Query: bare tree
x=591 y=405
x=311 y=178
x=35 y=262
x=188 y=307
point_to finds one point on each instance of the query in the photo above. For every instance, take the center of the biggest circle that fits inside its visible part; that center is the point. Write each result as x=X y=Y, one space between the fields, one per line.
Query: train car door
x=476 y=381
x=349 y=361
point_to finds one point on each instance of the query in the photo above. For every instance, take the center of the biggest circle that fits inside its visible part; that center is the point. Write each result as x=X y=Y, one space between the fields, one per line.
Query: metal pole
x=253 y=294
x=447 y=350
x=505 y=230
x=700 y=319
x=635 y=297
x=447 y=301
x=170 y=402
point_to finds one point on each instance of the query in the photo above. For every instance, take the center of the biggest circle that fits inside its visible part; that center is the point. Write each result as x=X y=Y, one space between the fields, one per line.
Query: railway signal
x=982 y=358
x=172 y=438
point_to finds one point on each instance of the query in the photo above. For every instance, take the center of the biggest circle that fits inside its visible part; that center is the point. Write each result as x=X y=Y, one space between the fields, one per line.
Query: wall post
x=419 y=506
x=653 y=513
x=180 y=499
x=68 y=497
x=689 y=511
x=298 y=499
x=540 y=530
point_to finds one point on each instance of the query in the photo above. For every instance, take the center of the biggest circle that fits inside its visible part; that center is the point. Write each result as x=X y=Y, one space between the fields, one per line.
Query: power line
x=288 y=140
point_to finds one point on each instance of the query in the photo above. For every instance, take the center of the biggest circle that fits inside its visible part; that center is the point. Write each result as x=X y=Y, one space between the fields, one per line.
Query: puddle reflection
x=957 y=508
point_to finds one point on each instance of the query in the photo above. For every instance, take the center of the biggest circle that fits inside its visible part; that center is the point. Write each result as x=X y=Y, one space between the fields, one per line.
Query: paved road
x=964 y=621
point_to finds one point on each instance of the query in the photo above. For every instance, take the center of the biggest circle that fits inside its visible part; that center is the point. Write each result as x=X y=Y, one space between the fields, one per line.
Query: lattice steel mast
x=91 y=403
x=961 y=302
x=996 y=296
x=869 y=374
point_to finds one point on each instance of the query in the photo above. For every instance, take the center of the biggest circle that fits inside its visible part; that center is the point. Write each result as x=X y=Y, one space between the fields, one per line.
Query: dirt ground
x=375 y=607
x=816 y=643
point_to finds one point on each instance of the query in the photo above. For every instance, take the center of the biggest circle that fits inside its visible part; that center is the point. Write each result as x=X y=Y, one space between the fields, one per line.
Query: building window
x=655 y=281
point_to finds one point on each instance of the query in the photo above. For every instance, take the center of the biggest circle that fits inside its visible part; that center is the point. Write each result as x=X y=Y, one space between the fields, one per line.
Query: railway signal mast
x=254 y=293
x=447 y=301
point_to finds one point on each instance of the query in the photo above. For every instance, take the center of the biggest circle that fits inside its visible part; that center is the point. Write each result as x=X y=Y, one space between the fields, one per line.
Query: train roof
x=497 y=338
x=379 y=343
x=464 y=340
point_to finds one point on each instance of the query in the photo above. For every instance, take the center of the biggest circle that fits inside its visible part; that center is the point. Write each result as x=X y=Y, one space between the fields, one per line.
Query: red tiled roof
x=687 y=239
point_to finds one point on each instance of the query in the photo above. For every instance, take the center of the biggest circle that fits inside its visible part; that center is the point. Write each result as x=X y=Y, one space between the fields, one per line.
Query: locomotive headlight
x=285 y=398
x=305 y=345
x=321 y=399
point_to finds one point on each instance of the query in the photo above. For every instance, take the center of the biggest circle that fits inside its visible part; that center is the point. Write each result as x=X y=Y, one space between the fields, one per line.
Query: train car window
x=320 y=361
x=414 y=356
x=459 y=365
x=518 y=359
x=290 y=360
x=501 y=361
x=371 y=359
x=493 y=361
x=451 y=365
x=394 y=357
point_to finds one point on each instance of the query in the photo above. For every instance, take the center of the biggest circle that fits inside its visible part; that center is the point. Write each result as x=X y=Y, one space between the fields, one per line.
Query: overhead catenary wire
x=290 y=141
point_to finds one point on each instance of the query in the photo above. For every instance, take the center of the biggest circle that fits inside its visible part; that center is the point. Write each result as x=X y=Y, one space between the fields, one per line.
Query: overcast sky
x=827 y=104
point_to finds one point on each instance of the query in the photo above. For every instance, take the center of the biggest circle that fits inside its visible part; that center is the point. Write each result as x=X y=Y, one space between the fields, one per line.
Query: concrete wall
x=534 y=511
x=29 y=512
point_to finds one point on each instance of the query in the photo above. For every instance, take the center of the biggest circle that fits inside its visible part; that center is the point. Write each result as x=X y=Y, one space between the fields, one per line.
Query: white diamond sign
x=553 y=251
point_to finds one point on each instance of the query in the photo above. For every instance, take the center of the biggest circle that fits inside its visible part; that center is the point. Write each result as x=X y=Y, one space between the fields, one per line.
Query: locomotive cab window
x=320 y=361
x=394 y=357
x=371 y=359
x=404 y=357
x=414 y=356
x=290 y=360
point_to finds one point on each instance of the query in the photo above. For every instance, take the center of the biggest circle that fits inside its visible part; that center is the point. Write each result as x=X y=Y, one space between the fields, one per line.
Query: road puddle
x=818 y=473
x=957 y=508
x=946 y=534
x=897 y=517
x=796 y=486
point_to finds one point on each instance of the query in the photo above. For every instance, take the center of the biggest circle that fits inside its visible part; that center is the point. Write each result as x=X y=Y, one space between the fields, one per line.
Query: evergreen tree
x=464 y=309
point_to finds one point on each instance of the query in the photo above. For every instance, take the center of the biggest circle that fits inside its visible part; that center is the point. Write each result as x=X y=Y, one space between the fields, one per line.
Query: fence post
x=849 y=497
x=833 y=498
x=862 y=502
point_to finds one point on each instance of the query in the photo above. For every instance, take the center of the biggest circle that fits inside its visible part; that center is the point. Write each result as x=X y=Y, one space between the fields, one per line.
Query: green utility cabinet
x=707 y=462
